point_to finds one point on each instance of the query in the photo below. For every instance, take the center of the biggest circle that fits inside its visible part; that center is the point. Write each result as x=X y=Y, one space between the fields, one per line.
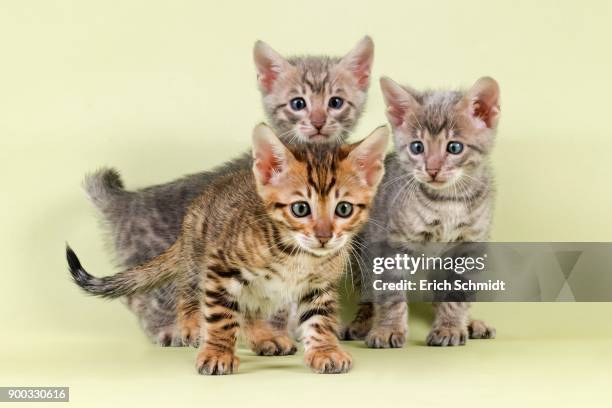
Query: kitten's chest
x=441 y=222
x=274 y=286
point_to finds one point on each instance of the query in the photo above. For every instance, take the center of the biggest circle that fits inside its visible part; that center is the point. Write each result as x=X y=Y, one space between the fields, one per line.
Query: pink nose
x=323 y=240
x=317 y=119
x=433 y=173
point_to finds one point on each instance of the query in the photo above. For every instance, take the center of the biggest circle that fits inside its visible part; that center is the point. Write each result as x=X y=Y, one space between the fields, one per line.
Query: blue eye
x=297 y=104
x=335 y=102
x=417 y=147
x=300 y=209
x=344 y=209
x=454 y=147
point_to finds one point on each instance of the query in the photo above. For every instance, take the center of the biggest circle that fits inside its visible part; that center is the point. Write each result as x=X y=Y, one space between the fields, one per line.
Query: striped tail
x=142 y=278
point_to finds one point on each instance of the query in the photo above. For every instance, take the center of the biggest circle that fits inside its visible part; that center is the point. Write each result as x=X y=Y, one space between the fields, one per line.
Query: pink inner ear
x=486 y=114
x=267 y=165
x=362 y=74
x=267 y=78
x=396 y=114
x=369 y=169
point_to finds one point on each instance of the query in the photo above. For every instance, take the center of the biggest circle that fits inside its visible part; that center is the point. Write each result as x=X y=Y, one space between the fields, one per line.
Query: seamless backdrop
x=160 y=89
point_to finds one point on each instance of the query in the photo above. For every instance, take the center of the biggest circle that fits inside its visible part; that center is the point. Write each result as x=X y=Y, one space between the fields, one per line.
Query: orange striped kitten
x=259 y=240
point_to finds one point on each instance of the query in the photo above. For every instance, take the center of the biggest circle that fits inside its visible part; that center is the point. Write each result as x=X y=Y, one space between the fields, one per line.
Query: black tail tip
x=73 y=262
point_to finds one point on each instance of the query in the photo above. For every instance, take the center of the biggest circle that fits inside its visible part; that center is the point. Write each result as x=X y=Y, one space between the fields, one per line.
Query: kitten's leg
x=188 y=305
x=219 y=330
x=318 y=322
x=157 y=315
x=390 y=324
x=450 y=326
x=361 y=324
x=269 y=338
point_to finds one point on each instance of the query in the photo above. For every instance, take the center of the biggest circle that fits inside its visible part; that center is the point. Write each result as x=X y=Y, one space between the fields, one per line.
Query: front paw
x=212 y=362
x=332 y=360
x=386 y=337
x=447 y=336
x=480 y=330
x=277 y=346
x=190 y=332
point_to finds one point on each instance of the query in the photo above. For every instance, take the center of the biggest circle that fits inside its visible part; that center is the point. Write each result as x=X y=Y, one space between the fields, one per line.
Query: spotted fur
x=144 y=223
x=434 y=196
x=250 y=255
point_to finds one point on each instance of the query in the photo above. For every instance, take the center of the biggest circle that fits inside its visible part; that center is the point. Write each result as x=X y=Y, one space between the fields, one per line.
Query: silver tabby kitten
x=438 y=187
x=306 y=99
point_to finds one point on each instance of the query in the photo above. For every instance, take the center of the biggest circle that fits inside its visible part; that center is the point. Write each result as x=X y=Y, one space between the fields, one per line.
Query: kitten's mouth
x=318 y=137
x=437 y=183
x=320 y=250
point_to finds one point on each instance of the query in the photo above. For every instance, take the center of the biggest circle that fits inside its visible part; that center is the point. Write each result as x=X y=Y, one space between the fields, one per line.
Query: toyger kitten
x=438 y=187
x=260 y=239
x=306 y=99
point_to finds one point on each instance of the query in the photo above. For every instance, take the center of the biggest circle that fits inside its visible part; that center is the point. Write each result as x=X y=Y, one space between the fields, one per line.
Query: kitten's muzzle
x=433 y=173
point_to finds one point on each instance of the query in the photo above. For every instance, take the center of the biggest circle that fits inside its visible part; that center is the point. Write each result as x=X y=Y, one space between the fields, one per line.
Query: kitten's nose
x=433 y=173
x=324 y=239
x=317 y=119
x=323 y=231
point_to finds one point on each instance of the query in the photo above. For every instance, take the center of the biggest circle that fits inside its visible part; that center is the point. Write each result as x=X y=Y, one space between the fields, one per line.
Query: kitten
x=306 y=99
x=438 y=187
x=260 y=239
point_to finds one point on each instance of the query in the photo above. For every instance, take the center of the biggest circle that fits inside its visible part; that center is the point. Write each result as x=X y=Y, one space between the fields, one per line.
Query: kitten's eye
x=335 y=102
x=417 y=147
x=297 y=104
x=454 y=147
x=300 y=209
x=344 y=209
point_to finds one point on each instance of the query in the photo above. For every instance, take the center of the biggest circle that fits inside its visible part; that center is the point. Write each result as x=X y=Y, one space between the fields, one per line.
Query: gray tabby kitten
x=306 y=99
x=438 y=187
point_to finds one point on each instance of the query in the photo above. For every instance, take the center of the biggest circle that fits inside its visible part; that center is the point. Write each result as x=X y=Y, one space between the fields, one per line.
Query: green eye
x=344 y=209
x=300 y=209
x=454 y=147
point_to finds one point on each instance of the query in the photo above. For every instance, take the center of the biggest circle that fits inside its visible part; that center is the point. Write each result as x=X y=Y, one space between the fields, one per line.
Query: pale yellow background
x=163 y=88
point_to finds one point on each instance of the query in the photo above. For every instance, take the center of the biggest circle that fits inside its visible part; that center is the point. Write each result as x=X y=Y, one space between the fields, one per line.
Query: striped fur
x=243 y=255
x=146 y=222
x=414 y=207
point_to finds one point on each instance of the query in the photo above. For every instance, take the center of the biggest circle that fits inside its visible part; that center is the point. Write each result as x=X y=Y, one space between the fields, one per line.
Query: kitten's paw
x=478 y=329
x=190 y=332
x=167 y=337
x=329 y=361
x=211 y=362
x=386 y=337
x=447 y=336
x=356 y=330
x=277 y=346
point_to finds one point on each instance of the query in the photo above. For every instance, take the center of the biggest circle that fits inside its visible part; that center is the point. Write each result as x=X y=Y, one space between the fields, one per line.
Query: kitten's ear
x=482 y=103
x=269 y=63
x=368 y=156
x=359 y=61
x=398 y=100
x=270 y=156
